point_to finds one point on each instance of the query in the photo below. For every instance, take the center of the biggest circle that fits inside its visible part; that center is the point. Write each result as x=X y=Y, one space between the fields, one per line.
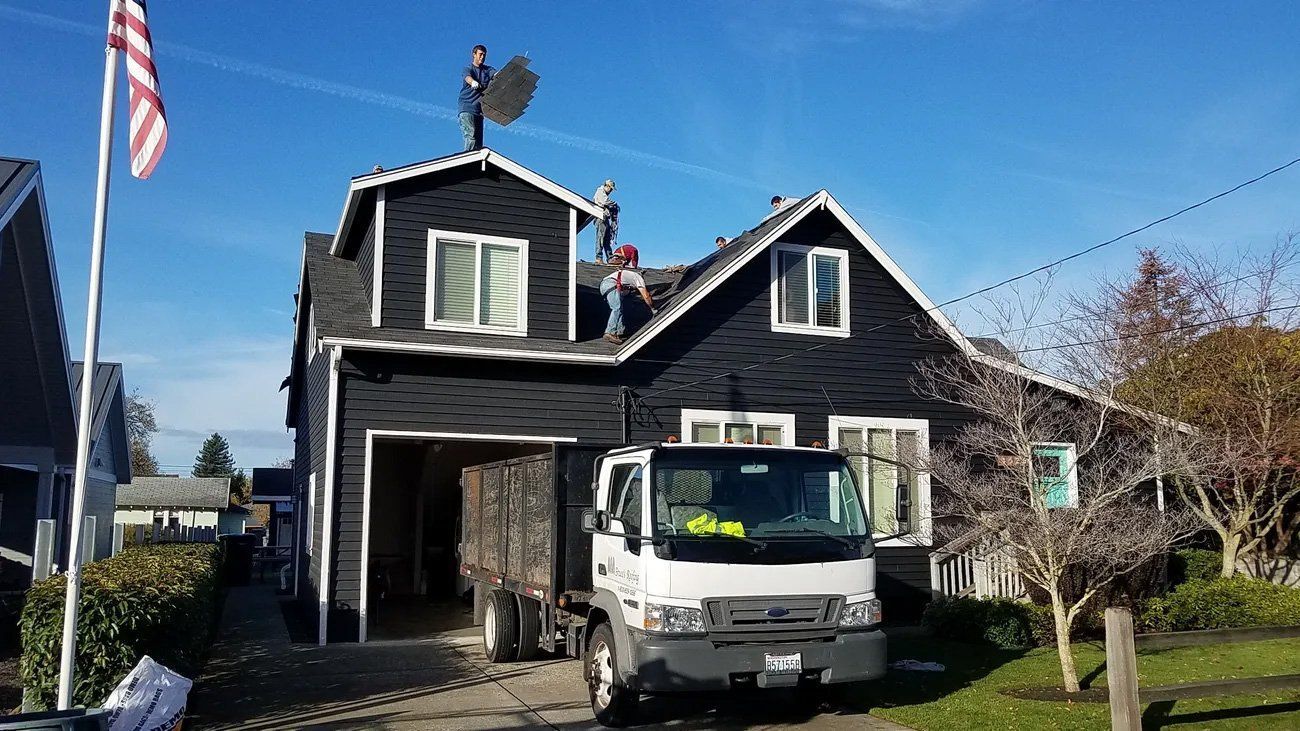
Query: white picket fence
x=978 y=565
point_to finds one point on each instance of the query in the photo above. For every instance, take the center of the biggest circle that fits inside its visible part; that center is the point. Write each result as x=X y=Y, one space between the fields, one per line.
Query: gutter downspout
x=625 y=409
x=327 y=520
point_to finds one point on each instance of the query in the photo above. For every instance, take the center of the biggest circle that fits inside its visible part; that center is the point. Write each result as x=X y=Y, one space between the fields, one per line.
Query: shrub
x=1222 y=603
x=1090 y=624
x=158 y=600
x=1194 y=564
x=1000 y=622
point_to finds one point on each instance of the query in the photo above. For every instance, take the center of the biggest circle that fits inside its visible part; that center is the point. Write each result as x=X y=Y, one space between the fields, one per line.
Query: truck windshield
x=768 y=495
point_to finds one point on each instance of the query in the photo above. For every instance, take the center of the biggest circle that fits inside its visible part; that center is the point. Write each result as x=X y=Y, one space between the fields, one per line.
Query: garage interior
x=415 y=587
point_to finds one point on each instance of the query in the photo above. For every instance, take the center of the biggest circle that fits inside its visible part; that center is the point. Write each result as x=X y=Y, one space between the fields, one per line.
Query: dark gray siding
x=366 y=260
x=102 y=458
x=868 y=374
x=309 y=459
x=492 y=203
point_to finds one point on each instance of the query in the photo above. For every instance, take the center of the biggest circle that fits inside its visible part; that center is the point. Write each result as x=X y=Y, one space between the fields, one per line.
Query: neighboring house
x=38 y=420
x=110 y=450
x=178 y=506
x=273 y=488
x=449 y=322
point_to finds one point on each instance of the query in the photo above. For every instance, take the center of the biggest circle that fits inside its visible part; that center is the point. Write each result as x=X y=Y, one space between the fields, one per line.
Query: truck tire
x=613 y=703
x=530 y=628
x=501 y=627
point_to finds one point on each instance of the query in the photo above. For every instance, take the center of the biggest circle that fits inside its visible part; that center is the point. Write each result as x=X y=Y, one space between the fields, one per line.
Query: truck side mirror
x=903 y=507
x=595 y=521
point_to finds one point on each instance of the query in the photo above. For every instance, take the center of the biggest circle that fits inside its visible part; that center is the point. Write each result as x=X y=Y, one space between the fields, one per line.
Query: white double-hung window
x=886 y=441
x=810 y=290
x=701 y=426
x=477 y=283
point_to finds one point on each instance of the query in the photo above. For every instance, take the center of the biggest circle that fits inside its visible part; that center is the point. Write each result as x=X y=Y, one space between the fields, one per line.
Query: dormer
x=473 y=244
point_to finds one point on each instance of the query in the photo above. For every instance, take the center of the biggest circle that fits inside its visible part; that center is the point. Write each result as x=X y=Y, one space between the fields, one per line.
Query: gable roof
x=208 y=493
x=108 y=405
x=37 y=384
x=483 y=158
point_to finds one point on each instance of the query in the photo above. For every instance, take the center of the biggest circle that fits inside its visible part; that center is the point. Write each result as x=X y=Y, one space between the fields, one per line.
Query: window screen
x=793 y=304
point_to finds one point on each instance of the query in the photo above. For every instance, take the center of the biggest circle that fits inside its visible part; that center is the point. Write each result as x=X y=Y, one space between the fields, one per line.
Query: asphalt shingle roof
x=175 y=492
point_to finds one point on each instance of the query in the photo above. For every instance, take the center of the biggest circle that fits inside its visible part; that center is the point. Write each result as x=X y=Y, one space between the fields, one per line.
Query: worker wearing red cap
x=624 y=280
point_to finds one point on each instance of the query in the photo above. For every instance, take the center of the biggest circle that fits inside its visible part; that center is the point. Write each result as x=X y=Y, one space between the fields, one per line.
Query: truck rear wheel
x=530 y=628
x=613 y=703
x=501 y=627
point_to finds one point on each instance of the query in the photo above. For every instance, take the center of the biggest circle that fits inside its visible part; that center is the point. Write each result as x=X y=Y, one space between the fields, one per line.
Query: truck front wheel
x=500 y=627
x=613 y=703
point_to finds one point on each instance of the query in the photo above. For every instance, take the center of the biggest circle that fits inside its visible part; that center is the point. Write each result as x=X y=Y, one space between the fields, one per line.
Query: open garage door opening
x=413 y=586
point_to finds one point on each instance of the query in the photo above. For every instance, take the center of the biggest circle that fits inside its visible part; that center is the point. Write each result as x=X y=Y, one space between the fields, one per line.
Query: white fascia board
x=377 y=273
x=18 y=200
x=573 y=274
x=468 y=351
x=640 y=339
x=482 y=157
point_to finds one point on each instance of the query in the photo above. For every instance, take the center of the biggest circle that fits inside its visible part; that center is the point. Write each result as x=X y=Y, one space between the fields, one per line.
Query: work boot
x=600 y=260
x=611 y=337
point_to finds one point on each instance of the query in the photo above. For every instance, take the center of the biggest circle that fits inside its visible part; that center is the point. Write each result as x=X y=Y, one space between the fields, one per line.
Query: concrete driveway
x=257 y=679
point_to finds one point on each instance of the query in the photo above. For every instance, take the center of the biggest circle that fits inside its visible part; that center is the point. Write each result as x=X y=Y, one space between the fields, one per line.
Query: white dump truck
x=677 y=567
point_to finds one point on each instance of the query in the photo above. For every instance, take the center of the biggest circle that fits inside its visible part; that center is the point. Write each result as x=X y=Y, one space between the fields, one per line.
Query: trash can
x=238 y=562
x=79 y=719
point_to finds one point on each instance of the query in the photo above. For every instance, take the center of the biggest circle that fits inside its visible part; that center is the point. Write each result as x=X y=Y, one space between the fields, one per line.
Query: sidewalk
x=257 y=679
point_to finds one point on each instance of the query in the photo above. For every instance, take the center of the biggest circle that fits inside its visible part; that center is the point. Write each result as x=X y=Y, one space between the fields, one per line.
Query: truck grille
x=731 y=620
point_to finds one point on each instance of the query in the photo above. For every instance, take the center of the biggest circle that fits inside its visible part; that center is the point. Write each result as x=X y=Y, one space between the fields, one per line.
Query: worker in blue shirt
x=474 y=81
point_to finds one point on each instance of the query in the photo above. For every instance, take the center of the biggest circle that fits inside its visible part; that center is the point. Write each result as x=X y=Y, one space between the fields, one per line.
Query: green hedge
x=1222 y=603
x=159 y=600
x=1003 y=622
x=1194 y=564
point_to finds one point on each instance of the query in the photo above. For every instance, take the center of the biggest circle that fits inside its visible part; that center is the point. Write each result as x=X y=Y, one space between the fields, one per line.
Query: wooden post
x=1121 y=671
x=119 y=537
x=43 y=558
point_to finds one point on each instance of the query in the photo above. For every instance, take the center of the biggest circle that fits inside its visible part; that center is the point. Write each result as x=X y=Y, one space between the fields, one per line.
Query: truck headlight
x=861 y=614
x=673 y=620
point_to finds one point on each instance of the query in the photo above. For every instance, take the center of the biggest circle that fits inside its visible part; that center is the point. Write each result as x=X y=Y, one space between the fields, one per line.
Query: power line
x=991 y=287
x=1117 y=338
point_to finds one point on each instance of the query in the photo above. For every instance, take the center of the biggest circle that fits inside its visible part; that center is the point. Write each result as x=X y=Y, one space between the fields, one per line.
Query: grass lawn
x=966 y=695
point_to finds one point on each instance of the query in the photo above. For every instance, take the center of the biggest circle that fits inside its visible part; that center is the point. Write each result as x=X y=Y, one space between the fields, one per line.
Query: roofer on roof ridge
x=607 y=223
x=622 y=281
x=474 y=80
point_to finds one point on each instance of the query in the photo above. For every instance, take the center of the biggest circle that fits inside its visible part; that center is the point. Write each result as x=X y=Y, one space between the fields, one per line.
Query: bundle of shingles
x=510 y=92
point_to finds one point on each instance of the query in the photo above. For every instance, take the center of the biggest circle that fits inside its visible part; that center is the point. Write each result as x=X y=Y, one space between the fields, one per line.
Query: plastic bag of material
x=150 y=698
x=706 y=524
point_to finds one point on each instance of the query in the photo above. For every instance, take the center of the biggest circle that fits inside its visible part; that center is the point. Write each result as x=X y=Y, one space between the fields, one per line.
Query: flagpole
x=67 y=664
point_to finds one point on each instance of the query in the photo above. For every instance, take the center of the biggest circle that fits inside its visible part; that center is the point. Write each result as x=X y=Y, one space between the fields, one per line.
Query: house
x=40 y=387
x=448 y=321
x=180 y=508
x=273 y=488
x=110 y=450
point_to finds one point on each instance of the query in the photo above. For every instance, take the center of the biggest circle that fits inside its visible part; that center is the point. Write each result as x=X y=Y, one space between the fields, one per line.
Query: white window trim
x=431 y=279
x=1071 y=477
x=844 y=330
x=923 y=532
x=691 y=417
x=311 y=514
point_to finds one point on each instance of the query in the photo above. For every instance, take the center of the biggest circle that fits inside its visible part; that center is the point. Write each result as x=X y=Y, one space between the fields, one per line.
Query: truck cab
x=727 y=566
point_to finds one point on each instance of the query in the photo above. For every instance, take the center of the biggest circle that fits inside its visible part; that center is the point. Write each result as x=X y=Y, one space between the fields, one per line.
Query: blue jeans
x=614 y=297
x=471 y=128
x=603 y=248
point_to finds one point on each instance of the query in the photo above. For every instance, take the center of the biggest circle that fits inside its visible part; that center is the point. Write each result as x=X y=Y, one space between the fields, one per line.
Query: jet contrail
x=304 y=82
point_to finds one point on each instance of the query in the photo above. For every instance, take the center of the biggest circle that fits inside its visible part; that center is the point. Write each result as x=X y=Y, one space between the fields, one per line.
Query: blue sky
x=972 y=138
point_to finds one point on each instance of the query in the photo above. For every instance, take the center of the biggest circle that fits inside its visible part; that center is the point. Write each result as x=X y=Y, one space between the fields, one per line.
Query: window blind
x=793 y=288
x=826 y=270
x=499 y=286
x=454 y=288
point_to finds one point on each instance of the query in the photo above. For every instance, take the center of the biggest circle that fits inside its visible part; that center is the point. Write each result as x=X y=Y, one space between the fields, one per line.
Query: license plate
x=783 y=664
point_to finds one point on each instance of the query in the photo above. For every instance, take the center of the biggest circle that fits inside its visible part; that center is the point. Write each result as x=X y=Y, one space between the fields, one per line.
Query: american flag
x=128 y=30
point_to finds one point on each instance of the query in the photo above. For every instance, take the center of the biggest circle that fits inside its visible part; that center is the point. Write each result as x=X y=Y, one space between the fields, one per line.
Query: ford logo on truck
x=777 y=611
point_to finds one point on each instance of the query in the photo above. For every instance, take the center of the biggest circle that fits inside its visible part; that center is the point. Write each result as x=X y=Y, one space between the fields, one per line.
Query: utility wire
x=990 y=287
x=1117 y=338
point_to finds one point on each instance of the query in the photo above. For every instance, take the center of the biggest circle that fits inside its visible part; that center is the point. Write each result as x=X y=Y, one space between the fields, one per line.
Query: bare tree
x=141 y=425
x=1232 y=370
x=1061 y=478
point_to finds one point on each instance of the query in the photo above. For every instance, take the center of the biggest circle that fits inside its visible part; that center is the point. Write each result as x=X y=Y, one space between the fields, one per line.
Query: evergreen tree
x=214 y=459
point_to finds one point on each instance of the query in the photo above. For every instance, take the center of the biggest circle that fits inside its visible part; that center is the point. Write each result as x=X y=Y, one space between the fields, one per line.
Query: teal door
x=1052 y=465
